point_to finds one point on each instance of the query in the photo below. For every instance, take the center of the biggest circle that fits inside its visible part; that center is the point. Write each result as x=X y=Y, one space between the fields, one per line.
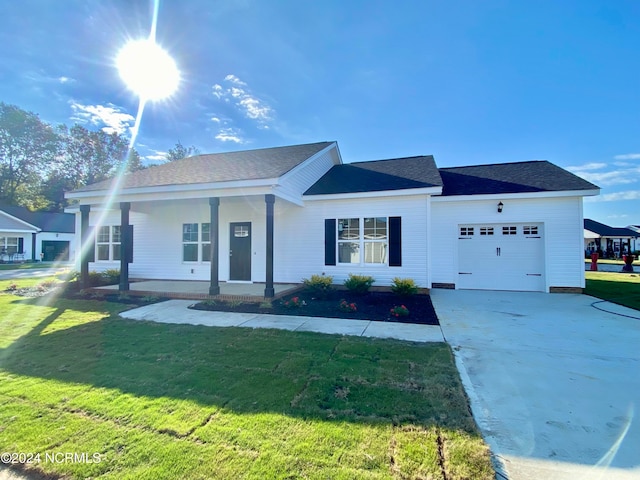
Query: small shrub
x=235 y=303
x=11 y=288
x=295 y=302
x=150 y=299
x=404 y=287
x=111 y=276
x=318 y=285
x=266 y=305
x=123 y=297
x=347 y=307
x=96 y=279
x=358 y=284
x=210 y=303
x=399 y=311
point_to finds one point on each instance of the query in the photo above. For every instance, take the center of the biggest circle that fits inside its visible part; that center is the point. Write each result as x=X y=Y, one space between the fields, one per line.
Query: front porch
x=199 y=290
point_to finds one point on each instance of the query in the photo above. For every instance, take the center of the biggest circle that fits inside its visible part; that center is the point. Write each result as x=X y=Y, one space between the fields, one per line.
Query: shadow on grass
x=301 y=374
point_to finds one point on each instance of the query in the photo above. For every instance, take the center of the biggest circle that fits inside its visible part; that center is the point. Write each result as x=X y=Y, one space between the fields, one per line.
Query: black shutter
x=330 y=241
x=20 y=245
x=129 y=245
x=395 y=241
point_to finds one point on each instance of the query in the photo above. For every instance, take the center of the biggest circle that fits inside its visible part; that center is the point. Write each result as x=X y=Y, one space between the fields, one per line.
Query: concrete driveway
x=554 y=383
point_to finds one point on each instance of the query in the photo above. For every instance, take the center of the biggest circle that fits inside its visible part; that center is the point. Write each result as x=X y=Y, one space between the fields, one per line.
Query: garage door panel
x=501 y=257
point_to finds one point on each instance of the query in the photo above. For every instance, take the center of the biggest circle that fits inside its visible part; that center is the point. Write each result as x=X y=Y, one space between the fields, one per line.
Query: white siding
x=299 y=180
x=299 y=238
x=562 y=219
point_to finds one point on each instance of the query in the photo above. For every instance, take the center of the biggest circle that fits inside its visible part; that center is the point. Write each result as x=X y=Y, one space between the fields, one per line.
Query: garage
x=507 y=256
x=55 y=251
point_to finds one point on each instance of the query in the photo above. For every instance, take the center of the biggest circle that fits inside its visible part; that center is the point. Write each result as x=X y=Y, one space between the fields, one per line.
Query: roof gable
x=45 y=221
x=263 y=163
x=376 y=176
x=517 y=177
x=607 y=231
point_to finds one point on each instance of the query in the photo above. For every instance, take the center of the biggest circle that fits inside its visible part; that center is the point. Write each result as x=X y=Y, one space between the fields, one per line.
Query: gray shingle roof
x=518 y=177
x=46 y=221
x=381 y=175
x=257 y=164
x=607 y=231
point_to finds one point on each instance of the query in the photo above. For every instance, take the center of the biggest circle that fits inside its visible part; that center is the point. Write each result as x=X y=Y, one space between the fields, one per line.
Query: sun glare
x=148 y=70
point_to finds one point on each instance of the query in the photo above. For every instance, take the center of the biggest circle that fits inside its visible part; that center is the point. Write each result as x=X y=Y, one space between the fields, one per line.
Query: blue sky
x=466 y=81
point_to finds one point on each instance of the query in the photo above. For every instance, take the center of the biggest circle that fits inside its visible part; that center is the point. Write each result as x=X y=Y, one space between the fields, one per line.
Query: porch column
x=214 y=206
x=33 y=247
x=269 y=292
x=85 y=249
x=125 y=243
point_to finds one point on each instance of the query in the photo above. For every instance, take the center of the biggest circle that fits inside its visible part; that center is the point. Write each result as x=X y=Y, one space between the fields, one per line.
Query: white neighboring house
x=278 y=215
x=25 y=235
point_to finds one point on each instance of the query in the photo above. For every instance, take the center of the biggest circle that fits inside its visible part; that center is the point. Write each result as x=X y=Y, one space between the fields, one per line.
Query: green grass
x=620 y=288
x=177 y=401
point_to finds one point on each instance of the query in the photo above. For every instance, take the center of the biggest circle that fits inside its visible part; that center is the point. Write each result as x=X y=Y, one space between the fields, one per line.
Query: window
x=375 y=240
x=486 y=230
x=466 y=231
x=108 y=241
x=348 y=240
x=190 y=242
x=362 y=240
x=509 y=230
x=196 y=240
x=206 y=242
x=530 y=230
x=9 y=245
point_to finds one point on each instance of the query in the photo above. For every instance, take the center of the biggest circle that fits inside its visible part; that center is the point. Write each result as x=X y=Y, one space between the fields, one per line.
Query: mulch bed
x=371 y=306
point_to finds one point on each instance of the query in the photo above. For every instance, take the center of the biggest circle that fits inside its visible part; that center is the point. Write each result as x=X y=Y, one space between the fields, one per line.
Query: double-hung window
x=362 y=240
x=196 y=242
x=108 y=241
x=9 y=245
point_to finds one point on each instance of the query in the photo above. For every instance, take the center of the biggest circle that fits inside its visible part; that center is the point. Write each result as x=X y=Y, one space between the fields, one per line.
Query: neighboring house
x=609 y=242
x=283 y=214
x=25 y=235
x=635 y=244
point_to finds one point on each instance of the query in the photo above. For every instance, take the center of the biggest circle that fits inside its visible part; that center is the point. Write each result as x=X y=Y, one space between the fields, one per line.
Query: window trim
x=200 y=243
x=362 y=241
x=111 y=245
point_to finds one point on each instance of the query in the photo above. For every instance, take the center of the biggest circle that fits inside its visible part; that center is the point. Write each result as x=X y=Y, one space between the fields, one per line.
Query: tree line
x=39 y=162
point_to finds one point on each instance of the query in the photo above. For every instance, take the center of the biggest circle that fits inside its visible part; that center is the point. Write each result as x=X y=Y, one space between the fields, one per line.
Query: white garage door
x=506 y=256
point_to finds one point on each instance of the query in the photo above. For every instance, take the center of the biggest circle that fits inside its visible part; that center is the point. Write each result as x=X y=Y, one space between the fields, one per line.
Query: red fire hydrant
x=594 y=262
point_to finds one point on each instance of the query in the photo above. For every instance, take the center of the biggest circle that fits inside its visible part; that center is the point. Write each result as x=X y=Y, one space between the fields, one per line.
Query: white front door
x=507 y=256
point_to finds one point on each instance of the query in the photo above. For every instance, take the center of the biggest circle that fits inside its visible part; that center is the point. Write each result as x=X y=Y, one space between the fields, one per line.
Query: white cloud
x=622 y=176
x=64 y=80
x=110 y=116
x=158 y=156
x=216 y=119
x=628 y=156
x=587 y=167
x=617 y=196
x=229 y=135
x=249 y=104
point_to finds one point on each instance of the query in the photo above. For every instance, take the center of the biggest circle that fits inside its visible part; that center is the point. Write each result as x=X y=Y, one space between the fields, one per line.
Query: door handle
x=231 y=253
x=498 y=251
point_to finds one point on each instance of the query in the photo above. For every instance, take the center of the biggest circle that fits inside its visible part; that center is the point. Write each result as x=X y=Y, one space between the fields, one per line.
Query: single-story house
x=608 y=242
x=277 y=215
x=35 y=236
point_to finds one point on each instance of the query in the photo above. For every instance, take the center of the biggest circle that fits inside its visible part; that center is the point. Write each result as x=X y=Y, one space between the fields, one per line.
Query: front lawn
x=620 y=288
x=177 y=401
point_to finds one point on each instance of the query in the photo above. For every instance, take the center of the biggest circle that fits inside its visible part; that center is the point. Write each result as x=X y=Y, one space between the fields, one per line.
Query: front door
x=240 y=251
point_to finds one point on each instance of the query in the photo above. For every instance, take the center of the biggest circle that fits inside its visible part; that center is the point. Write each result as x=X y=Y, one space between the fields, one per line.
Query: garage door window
x=466 y=231
x=530 y=230
x=486 y=230
x=509 y=230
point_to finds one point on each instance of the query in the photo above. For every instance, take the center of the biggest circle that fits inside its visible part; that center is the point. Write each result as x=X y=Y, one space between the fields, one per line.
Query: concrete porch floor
x=191 y=289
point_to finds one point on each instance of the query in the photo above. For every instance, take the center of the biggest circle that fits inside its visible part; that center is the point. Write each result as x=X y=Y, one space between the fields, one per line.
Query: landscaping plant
x=358 y=284
x=318 y=285
x=404 y=287
x=400 y=311
x=347 y=307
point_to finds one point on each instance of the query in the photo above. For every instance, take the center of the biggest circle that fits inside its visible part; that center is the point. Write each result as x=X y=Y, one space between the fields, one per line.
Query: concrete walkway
x=177 y=311
x=554 y=383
